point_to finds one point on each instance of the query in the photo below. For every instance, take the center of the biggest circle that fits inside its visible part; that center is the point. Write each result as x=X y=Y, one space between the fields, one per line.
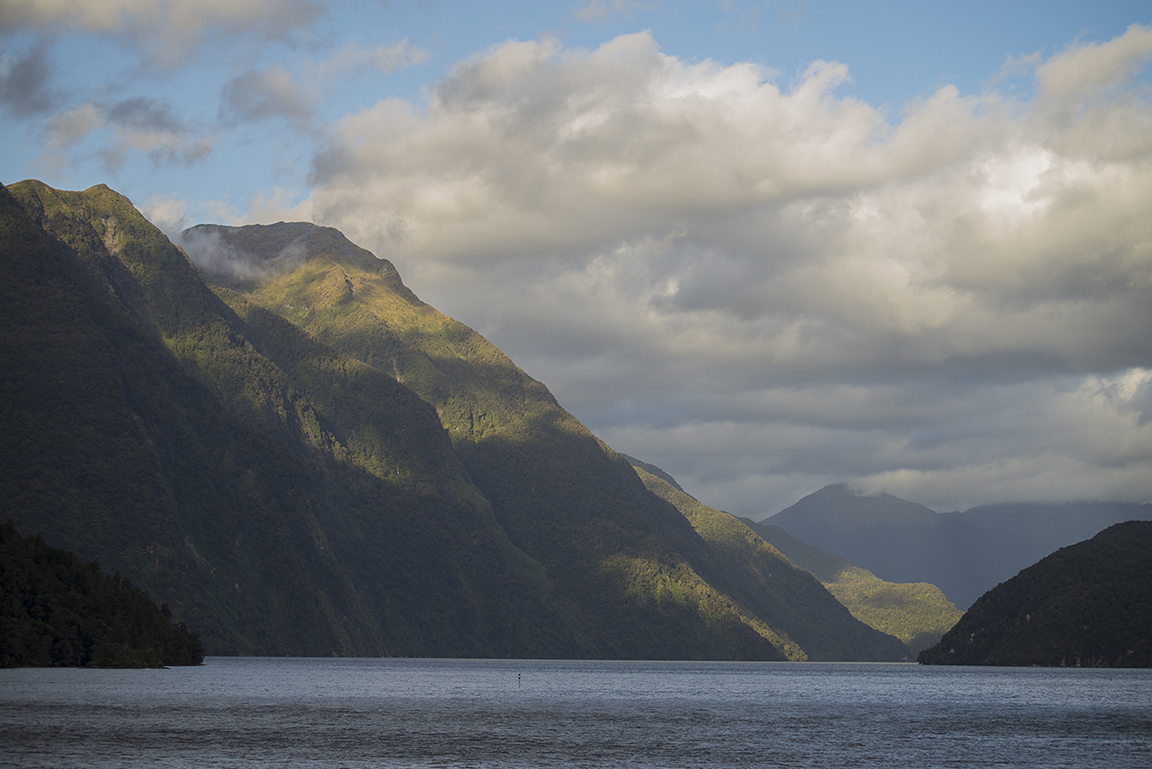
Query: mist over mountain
x=964 y=554
x=301 y=457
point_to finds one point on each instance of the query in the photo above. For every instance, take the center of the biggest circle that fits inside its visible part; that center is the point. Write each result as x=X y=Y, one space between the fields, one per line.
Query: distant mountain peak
x=842 y=508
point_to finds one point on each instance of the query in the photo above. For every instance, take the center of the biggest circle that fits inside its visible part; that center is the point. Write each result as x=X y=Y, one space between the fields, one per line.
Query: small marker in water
x=517 y=680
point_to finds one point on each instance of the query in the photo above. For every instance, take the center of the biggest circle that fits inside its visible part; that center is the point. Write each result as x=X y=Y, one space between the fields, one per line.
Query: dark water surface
x=246 y=712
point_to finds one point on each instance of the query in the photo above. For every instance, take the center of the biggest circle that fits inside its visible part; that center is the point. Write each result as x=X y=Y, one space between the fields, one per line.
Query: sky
x=766 y=246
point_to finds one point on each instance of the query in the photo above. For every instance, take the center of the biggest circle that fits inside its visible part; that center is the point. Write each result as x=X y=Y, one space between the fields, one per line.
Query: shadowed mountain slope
x=1087 y=604
x=306 y=459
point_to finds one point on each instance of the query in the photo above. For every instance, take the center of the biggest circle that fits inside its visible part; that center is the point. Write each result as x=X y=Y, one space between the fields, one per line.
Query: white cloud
x=168 y=213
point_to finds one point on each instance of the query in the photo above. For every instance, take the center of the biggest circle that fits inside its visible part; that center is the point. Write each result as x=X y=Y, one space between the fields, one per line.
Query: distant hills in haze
x=964 y=554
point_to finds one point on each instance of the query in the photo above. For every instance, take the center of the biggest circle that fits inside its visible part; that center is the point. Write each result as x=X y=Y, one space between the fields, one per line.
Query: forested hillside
x=60 y=612
x=1088 y=604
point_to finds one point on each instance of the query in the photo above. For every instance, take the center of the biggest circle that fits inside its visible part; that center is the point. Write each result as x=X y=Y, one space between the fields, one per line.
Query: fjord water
x=264 y=712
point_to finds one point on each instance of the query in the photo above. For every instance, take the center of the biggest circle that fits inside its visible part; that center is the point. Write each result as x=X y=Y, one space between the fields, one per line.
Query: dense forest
x=58 y=611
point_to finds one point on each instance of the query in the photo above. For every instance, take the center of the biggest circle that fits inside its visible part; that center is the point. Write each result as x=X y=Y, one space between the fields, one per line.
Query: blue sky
x=764 y=245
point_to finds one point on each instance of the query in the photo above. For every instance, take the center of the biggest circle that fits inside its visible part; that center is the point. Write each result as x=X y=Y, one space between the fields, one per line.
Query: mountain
x=627 y=564
x=61 y=612
x=916 y=613
x=280 y=497
x=964 y=554
x=776 y=587
x=302 y=458
x=1088 y=604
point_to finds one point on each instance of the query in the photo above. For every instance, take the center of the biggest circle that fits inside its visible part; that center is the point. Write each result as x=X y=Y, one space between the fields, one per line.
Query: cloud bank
x=763 y=286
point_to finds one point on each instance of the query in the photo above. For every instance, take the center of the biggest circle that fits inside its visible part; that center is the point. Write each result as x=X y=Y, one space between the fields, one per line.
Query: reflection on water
x=244 y=712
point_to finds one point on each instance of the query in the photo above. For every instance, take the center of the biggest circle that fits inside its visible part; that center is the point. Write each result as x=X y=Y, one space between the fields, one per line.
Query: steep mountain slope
x=149 y=426
x=964 y=554
x=775 y=587
x=1086 y=604
x=626 y=565
x=917 y=613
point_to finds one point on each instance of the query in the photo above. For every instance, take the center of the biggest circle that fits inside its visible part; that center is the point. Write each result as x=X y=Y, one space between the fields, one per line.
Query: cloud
x=1084 y=71
x=220 y=260
x=24 y=88
x=692 y=254
x=383 y=59
x=264 y=94
x=168 y=213
x=138 y=124
x=166 y=30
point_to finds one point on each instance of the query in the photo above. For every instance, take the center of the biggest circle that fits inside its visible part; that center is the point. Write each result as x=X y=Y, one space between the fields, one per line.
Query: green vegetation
x=916 y=613
x=1088 y=604
x=59 y=612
